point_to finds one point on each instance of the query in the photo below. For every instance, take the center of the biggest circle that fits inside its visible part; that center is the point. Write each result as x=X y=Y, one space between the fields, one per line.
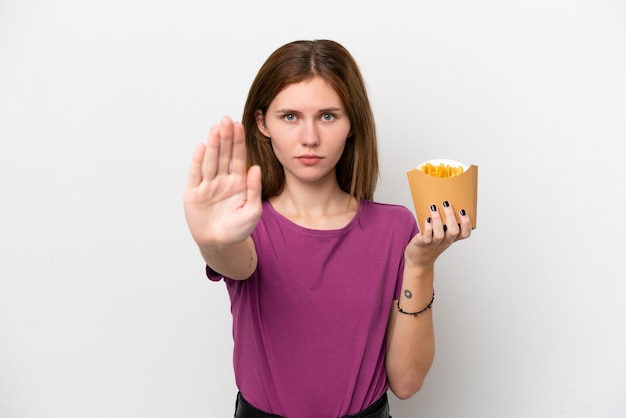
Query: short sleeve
x=213 y=275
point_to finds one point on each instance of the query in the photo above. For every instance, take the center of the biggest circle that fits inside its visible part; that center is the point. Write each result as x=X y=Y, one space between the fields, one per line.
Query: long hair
x=357 y=169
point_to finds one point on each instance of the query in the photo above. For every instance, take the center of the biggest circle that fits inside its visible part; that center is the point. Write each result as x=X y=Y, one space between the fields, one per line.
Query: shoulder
x=387 y=214
x=385 y=209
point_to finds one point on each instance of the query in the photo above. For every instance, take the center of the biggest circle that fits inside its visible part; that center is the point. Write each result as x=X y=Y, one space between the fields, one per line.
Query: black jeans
x=379 y=409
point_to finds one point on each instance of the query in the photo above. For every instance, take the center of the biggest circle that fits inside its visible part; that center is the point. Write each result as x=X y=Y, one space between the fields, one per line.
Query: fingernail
x=446 y=203
x=433 y=208
x=463 y=213
x=428 y=220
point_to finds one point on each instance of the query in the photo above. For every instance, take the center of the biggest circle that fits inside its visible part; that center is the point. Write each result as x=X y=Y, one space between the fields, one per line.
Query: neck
x=315 y=206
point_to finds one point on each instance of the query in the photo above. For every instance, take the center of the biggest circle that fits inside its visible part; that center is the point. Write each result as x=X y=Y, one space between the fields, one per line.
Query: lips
x=309 y=159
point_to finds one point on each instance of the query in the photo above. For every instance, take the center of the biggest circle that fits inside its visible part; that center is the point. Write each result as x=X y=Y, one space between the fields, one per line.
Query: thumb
x=253 y=183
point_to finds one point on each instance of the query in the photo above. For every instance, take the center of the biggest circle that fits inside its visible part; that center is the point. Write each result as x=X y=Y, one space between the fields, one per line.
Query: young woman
x=330 y=291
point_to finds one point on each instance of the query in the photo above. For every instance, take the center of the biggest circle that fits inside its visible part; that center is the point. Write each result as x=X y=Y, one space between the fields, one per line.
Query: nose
x=310 y=136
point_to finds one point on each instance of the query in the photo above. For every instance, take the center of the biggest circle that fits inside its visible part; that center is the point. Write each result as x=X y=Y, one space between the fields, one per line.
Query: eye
x=289 y=117
x=328 y=116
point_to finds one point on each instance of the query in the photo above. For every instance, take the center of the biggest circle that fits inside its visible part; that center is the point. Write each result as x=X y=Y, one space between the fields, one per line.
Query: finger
x=451 y=227
x=427 y=233
x=437 y=222
x=253 y=183
x=239 y=149
x=211 y=154
x=195 y=170
x=226 y=146
x=466 y=225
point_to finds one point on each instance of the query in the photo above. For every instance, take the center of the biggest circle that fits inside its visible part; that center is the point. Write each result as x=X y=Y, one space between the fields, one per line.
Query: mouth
x=309 y=159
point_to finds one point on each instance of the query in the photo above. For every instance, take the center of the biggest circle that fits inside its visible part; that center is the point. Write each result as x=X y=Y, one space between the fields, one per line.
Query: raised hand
x=427 y=245
x=222 y=199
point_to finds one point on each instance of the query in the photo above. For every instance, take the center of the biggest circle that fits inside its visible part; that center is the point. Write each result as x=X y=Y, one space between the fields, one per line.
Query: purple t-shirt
x=309 y=324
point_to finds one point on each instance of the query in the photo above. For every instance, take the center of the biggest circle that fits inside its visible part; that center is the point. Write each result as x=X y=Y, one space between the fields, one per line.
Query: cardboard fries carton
x=461 y=191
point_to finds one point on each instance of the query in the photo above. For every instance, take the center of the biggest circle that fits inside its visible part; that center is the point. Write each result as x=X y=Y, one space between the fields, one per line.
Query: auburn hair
x=357 y=169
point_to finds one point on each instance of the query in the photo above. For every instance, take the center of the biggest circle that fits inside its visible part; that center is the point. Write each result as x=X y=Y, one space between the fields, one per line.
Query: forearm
x=410 y=338
x=236 y=261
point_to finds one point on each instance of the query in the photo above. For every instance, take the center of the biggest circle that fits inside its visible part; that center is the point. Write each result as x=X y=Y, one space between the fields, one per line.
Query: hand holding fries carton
x=434 y=181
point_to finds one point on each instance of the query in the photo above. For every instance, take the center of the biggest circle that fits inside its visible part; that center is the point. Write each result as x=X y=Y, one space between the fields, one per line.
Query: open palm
x=222 y=199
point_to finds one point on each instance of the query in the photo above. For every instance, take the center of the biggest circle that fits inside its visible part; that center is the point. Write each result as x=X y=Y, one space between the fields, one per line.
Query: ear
x=260 y=123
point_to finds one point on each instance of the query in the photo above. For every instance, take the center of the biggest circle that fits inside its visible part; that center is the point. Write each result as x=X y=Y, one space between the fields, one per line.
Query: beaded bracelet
x=430 y=304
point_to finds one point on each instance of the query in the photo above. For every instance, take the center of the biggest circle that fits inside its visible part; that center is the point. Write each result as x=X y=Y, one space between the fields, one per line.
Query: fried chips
x=441 y=170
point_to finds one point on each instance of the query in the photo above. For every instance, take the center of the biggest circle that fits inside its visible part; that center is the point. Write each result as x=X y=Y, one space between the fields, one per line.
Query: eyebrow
x=324 y=110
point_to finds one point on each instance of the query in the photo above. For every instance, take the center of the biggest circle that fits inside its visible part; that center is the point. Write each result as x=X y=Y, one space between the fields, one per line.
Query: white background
x=104 y=307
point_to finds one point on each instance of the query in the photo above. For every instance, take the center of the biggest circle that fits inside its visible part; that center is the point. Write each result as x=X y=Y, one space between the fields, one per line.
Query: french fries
x=441 y=170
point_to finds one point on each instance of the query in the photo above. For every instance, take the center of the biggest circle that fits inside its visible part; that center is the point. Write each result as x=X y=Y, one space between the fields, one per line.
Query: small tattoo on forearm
x=408 y=294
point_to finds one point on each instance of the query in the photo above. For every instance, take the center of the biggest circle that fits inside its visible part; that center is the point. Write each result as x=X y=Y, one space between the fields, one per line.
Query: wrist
x=417 y=293
x=407 y=299
x=419 y=273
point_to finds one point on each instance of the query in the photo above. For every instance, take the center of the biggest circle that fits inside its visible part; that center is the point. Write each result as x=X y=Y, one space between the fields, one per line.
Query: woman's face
x=308 y=127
